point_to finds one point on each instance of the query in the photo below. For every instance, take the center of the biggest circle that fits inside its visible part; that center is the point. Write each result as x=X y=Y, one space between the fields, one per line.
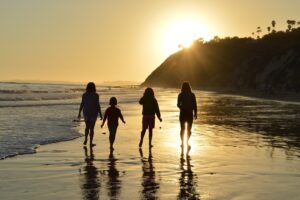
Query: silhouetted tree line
x=269 y=64
x=290 y=25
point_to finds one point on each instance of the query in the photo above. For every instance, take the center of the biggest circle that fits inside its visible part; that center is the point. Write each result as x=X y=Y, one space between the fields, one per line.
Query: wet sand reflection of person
x=113 y=182
x=187 y=181
x=90 y=183
x=150 y=186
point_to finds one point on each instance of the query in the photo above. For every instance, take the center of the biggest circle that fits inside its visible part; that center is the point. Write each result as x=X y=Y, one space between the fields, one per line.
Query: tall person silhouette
x=91 y=108
x=187 y=104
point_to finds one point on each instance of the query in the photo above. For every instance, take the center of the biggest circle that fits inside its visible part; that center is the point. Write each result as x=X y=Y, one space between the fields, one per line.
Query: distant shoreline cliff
x=268 y=65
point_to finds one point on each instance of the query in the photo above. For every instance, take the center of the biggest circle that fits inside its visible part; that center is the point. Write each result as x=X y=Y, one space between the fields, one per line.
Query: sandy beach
x=222 y=164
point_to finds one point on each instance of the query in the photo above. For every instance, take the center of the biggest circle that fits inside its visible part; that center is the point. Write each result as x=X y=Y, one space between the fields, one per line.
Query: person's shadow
x=90 y=184
x=187 y=180
x=149 y=183
x=113 y=182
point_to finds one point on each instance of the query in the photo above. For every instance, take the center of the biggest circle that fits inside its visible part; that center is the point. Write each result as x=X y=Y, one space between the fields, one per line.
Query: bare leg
x=182 y=125
x=150 y=137
x=189 y=130
x=142 y=137
x=92 y=125
x=86 y=131
x=112 y=136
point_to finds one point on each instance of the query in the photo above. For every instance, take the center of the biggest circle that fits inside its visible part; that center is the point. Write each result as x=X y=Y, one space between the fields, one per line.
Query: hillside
x=270 y=64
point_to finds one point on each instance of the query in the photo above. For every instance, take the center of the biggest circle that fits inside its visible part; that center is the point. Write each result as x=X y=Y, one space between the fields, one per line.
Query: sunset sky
x=113 y=40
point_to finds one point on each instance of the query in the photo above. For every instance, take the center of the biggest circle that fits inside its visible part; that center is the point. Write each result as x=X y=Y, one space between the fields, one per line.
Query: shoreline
x=35 y=149
x=293 y=99
x=287 y=97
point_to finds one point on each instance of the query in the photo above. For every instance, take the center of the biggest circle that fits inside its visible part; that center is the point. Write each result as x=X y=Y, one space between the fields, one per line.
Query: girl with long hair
x=150 y=108
x=187 y=104
x=91 y=108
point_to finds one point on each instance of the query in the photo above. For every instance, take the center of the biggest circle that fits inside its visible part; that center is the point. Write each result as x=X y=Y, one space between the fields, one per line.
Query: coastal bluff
x=270 y=64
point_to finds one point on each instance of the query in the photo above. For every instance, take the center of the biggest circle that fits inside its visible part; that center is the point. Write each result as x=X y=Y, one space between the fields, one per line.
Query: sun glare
x=181 y=34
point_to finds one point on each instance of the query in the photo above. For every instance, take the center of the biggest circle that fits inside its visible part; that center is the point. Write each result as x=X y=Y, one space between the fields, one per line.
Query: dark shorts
x=148 y=121
x=186 y=117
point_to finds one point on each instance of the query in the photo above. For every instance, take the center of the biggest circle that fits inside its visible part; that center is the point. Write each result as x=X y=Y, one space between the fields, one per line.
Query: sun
x=182 y=34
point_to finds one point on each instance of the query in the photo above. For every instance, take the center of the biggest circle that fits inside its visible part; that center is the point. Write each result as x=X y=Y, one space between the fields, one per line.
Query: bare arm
x=80 y=108
x=141 y=101
x=122 y=118
x=157 y=111
x=178 y=102
x=99 y=107
x=104 y=120
x=195 y=106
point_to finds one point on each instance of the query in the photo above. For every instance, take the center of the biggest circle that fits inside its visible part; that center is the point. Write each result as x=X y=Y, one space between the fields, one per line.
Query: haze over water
x=242 y=148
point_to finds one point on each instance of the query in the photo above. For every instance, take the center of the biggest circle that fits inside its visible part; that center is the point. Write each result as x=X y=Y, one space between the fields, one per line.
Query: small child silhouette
x=112 y=114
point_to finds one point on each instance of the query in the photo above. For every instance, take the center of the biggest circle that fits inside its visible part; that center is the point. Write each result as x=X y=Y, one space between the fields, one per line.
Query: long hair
x=149 y=93
x=186 y=88
x=91 y=87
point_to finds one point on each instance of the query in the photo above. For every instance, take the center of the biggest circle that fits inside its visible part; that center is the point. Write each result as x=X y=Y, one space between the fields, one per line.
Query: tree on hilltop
x=273 y=25
x=290 y=24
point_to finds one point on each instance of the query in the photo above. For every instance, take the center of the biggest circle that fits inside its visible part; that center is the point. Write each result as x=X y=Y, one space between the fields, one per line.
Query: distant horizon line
x=117 y=82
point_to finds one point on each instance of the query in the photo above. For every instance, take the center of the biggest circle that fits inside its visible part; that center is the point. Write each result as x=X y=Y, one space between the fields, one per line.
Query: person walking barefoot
x=91 y=108
x=112 y=114
x=187 y=104
x=150 y=108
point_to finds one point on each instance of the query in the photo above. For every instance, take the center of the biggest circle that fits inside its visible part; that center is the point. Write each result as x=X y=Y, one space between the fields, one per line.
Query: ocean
x=33 y=114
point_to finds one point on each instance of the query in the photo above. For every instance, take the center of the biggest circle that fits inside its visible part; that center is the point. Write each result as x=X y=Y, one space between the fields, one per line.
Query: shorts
x=148 y=121
x=186 y=117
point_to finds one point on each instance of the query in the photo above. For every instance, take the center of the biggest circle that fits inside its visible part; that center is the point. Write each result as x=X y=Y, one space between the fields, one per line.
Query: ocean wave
x=32 y=149
x=38 y=104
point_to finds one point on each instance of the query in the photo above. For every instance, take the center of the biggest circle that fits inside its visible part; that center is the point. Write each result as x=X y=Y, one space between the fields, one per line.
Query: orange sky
x=80 y=41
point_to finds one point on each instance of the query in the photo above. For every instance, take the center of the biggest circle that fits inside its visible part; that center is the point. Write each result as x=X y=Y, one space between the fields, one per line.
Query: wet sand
x=223 y=163
x=217 y=167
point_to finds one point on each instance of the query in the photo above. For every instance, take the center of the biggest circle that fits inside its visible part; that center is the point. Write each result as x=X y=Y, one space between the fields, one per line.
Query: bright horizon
x=104 y=41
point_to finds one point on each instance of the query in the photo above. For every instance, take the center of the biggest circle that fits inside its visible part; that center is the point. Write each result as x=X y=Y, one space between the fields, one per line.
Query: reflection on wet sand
x=277 y=122
x=187 y=180
x=113 y=182
x=149 y=183
x=90 y=183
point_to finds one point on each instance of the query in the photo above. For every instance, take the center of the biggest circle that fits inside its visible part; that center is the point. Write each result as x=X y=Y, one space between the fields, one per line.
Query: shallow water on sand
x=241 y=148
